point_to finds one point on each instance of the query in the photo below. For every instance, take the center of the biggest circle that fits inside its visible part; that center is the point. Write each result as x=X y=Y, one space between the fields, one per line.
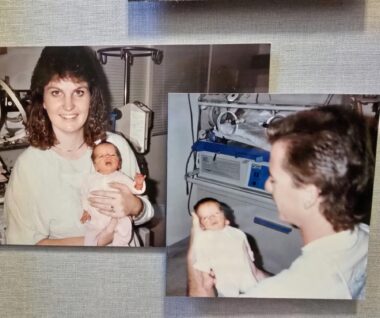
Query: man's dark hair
x=330 y=147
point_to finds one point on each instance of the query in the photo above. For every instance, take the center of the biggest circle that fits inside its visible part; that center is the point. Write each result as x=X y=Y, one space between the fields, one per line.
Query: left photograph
x=83 y=136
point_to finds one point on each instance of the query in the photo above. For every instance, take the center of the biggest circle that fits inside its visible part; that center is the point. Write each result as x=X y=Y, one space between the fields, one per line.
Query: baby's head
x=211 y=214
x=106 y=158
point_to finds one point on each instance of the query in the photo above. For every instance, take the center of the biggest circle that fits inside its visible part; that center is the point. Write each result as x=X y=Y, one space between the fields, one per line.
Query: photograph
x=270 y=195
x=83 y=136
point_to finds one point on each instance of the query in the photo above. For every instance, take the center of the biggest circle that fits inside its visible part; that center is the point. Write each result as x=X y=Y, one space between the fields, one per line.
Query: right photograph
x=269 y=195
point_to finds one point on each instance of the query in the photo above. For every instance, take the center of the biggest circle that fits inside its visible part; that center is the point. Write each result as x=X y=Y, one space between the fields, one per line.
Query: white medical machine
x=135 y=122
x=12 y=136
x=231 y=165
x=133 y=119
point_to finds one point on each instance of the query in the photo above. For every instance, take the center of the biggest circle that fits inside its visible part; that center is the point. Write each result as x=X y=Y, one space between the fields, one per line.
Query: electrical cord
x=189 y=209
x=189 y=188
x=191 y=118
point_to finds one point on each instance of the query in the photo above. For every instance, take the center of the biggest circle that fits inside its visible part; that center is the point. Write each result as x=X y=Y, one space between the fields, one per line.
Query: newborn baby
x=107 y=162
x=224 y=250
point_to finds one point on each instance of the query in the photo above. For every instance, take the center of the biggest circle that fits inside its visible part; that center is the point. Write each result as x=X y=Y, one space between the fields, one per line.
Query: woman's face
x=289 y=199
x=67 y=102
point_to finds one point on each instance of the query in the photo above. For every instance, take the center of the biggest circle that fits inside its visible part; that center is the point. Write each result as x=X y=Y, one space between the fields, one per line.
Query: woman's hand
x=69 y=241
x=118 y=203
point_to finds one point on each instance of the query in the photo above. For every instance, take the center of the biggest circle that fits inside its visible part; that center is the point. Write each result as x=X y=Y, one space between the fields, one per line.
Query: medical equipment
x=240 y=166
x=243 y=117
x=12 y=134
x=232 y=147
x=128 y=54
x=13 y=116
x=134 y=120
x=231 y=165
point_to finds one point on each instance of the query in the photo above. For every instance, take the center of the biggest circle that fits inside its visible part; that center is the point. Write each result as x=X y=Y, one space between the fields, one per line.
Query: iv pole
x=128 y=53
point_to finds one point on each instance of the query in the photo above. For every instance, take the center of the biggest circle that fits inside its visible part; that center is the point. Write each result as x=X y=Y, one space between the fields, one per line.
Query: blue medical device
x=232 y=163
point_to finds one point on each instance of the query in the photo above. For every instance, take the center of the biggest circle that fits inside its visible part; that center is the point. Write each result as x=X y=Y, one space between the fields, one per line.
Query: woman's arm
x=69 y=241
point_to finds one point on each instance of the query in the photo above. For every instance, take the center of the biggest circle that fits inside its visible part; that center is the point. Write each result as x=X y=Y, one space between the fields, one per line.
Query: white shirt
x=333 y=267
x=43 y=197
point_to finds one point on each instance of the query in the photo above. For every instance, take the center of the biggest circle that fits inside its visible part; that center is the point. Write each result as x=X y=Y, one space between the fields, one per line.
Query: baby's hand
x=85 y=217
x=139 y=181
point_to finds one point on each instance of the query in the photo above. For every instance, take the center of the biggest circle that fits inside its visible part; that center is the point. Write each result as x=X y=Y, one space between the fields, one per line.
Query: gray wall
x=179 y=146
x=318 y=46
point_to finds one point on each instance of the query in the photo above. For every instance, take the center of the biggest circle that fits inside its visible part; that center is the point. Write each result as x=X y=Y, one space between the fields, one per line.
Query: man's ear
x=311 y=196
x=227 y=222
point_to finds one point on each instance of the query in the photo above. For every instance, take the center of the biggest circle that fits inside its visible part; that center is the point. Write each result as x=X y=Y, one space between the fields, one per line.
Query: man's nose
x=268 y=185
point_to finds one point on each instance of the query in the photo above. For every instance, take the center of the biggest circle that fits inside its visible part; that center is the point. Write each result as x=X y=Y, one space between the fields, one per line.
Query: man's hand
x=200 y=284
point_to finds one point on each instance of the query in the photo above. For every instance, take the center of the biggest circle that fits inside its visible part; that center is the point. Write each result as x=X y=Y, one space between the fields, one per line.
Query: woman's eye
x=55 y=93
x=79 y=92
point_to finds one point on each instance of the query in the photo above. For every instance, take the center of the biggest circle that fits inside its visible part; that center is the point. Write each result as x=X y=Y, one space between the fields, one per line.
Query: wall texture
x=318 y=46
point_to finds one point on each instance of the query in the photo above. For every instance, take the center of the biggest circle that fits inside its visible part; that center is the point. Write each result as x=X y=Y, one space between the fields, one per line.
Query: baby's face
x=106 y=160
x=210 y=216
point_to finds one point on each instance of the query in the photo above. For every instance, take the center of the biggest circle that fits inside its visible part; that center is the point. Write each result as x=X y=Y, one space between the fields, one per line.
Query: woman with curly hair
x=68 y=116
x=321 y=179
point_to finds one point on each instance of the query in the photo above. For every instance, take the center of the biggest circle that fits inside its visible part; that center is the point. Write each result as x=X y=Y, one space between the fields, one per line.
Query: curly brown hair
x=79 y=64
x=332 y=148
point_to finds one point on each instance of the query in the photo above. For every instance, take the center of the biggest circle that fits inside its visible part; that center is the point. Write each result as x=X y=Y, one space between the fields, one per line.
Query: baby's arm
x=136 y=186
x=139 y=182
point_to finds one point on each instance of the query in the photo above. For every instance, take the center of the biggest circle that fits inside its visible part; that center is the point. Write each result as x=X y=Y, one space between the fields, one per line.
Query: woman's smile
x=69 y=117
